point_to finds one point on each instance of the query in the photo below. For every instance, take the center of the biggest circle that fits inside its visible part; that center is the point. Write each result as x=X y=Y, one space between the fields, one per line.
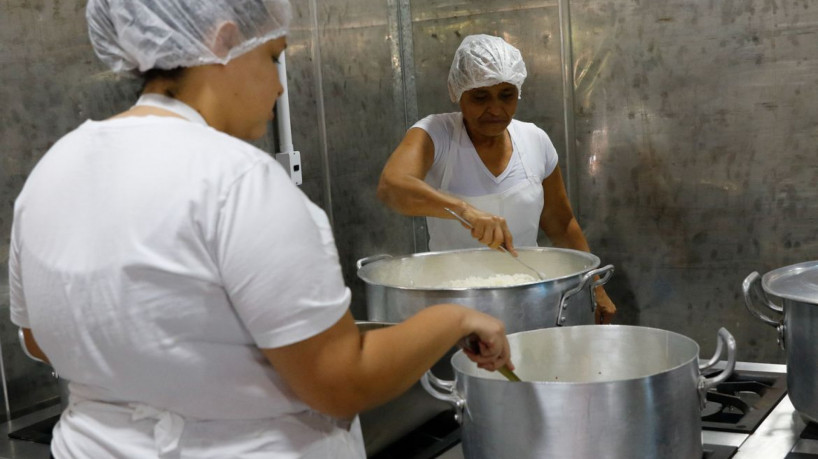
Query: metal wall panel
x=364 y=116
x=696 y=128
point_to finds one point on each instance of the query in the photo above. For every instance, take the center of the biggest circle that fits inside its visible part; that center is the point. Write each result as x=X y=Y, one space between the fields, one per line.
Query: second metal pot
x=399 y=287
x=617 y=392
x=797 y=323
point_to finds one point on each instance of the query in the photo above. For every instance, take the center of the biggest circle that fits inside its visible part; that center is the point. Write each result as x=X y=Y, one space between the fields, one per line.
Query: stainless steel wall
x=694 y=121
x=697 y=134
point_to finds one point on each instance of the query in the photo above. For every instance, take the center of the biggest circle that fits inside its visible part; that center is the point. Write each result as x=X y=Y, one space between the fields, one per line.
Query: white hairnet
x=485 y=60
x=165 y=34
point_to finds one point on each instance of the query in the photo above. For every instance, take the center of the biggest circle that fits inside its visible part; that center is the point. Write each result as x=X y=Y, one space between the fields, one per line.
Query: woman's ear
x=227 y=37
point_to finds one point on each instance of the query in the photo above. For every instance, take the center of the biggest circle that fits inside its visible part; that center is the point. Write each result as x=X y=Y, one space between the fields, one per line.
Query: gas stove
x=747 y=417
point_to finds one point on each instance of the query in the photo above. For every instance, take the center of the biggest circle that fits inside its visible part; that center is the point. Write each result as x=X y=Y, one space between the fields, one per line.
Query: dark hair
x=173 y=74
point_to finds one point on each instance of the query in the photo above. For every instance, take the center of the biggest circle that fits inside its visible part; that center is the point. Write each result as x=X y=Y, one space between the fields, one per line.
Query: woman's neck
x=190 y=93
x=486 y=141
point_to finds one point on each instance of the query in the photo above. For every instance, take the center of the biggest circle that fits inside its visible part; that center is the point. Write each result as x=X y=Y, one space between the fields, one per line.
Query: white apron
x=521 y=205
x=96 y=429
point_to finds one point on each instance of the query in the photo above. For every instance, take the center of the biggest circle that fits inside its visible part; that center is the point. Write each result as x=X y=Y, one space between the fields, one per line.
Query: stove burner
x=442 y=433
x=743 y=401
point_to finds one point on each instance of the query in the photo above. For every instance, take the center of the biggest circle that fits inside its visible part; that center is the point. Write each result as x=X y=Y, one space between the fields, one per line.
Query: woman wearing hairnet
x=497 y=173
x=189 y=292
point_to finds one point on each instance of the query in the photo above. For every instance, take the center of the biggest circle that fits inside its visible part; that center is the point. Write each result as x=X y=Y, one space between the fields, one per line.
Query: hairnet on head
x=164 y=34
x=485 y=60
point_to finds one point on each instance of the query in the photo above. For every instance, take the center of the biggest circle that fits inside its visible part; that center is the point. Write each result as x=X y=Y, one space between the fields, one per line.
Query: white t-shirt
x=471 y=176
x=153 y=256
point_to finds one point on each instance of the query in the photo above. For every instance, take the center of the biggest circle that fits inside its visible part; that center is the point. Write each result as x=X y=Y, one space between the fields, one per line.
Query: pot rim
x=593 y=261
x=460 y=373
x=768 y=279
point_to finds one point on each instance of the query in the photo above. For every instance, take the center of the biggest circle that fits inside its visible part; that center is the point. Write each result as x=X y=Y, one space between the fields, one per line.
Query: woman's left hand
x=605 y=309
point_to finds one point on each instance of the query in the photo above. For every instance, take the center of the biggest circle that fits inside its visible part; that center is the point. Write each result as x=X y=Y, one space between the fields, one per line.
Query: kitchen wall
x=697 y=134
x=686 y=129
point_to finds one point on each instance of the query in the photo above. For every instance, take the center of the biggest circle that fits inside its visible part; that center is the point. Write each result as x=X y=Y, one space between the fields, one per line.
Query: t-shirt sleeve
x=440 y=129
x=19 y=312
x=278 y=259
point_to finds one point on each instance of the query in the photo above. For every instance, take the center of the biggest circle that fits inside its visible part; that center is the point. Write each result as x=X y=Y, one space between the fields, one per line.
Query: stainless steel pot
x=797 y=323
x=399 y=287
x=383 y=425
x=588 y=392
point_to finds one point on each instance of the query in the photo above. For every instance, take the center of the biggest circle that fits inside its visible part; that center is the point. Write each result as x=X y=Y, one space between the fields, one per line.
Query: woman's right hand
x=489 y=229
x=494 y=348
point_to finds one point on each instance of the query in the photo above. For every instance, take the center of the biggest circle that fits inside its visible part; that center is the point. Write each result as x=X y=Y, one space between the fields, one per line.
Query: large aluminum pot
x=399 y=287
x=796 y=320
x=588 y=392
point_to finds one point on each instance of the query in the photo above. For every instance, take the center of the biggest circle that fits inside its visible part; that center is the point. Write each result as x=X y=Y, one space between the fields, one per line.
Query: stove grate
x=742 y=402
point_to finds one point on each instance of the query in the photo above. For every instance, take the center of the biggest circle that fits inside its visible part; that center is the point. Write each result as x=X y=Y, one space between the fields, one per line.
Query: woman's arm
x=31 y=346
x=561 y=227
x=402 y=187
x=341 y=372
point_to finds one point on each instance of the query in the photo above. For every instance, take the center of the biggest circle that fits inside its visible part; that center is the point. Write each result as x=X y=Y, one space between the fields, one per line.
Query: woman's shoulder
x=189 y=137
x=438 y=121
x=526 y=127
x=535 y=139
x=172 y=142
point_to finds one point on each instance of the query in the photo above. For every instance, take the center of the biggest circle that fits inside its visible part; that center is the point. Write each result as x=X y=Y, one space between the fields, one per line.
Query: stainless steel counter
x=774 y=439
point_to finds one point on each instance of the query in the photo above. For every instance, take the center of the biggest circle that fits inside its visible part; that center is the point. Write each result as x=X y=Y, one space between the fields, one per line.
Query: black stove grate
x=442 y=433
x=742 y=402
x=810 y=432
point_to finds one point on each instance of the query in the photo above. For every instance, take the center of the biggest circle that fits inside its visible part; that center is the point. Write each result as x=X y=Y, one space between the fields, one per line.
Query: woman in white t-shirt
x=497 y=173
x=189 y=292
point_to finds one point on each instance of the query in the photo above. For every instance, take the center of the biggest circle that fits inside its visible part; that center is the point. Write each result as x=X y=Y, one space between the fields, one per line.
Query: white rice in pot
x=496 y=280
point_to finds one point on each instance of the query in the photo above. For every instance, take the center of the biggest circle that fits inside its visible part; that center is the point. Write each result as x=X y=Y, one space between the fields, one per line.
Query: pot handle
x=753 y=281
x=367 y=260
x=604 y=274
x=431 y=384
x=724 y=339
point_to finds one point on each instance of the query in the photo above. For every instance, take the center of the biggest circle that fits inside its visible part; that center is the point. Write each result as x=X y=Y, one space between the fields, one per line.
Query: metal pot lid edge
x=798 y=282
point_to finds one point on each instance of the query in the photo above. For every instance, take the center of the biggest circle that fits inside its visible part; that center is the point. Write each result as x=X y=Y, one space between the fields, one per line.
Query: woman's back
x=129 y=228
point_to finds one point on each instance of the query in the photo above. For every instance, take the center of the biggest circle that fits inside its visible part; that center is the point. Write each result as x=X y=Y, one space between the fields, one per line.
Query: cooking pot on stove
x=591 y=392
x=796 y=320
x=399 y=287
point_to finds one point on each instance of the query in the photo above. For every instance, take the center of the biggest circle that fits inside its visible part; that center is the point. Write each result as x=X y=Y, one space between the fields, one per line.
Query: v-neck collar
x=495 y=178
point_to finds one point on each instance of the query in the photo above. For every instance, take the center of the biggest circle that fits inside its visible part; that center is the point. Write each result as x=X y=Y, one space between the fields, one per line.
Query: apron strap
x=451 y=152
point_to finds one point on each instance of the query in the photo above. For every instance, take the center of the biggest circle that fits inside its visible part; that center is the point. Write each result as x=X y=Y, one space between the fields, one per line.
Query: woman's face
x=488 y=111
x=249 y=86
